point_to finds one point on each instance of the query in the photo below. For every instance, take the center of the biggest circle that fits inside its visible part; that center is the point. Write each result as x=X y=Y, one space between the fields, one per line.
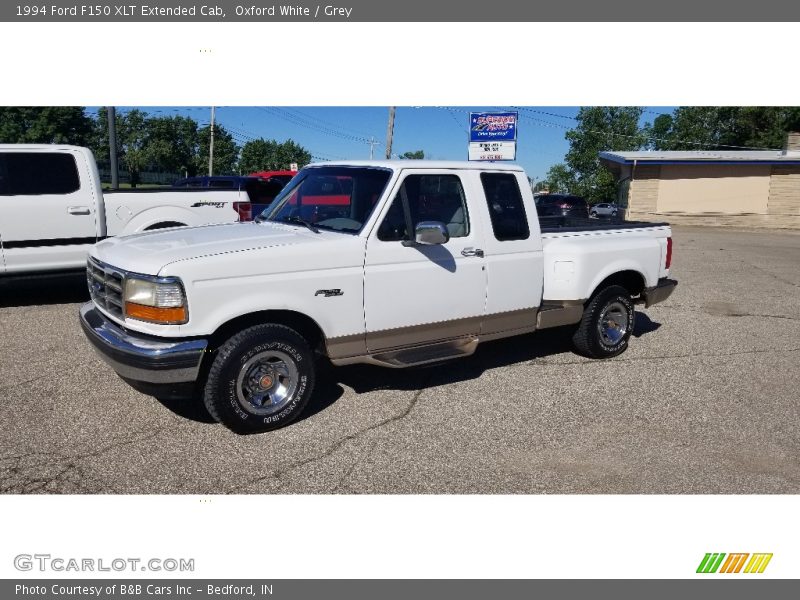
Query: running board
x=419 y=355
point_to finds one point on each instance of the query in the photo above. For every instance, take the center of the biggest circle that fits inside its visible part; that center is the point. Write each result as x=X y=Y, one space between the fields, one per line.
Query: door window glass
x=426 y=198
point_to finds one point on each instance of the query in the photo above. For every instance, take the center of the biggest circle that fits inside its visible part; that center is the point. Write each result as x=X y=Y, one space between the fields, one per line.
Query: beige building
x=750 y=188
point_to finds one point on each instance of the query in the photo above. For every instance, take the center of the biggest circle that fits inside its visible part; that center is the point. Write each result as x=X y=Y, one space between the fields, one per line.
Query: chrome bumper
x=660 y=292
x=141 y=358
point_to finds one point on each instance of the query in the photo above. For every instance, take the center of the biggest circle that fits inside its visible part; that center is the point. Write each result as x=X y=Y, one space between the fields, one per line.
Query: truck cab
x=51 y=207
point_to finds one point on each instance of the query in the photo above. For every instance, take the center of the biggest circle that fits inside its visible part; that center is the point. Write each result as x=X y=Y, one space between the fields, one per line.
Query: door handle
x=472 y=252
x=78 y=210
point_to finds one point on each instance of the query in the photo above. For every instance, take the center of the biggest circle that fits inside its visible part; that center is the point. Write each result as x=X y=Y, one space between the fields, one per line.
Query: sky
x=335 y=133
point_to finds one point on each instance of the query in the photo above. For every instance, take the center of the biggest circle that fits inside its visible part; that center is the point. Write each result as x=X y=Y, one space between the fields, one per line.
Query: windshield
x=334 y=198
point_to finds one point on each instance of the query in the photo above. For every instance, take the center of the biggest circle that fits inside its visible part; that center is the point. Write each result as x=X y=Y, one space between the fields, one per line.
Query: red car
x=282 y=177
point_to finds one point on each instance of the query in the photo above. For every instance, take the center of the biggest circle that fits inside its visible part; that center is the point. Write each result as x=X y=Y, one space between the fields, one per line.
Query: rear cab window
x=506 y=210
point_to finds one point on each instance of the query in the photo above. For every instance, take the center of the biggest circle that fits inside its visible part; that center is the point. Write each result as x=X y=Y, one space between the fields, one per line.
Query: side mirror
x=431 y=233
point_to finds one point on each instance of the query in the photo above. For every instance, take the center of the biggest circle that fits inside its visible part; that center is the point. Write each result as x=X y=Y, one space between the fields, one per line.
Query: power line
x=283 y=114
x=326 y=123
x=243 y=138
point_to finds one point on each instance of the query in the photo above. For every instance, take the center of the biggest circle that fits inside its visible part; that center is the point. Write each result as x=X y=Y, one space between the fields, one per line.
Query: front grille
x=105 y=287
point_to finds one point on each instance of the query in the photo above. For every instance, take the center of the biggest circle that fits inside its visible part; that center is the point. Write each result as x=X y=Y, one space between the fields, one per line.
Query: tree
x=270 y=155
x=416 y=155
x=132 y=139
x=599 y=128
x=171 y=144
x=541 y=186
x=226 y=151
x=559 y=180
x=724 y=127
x=45 y=125
x=99 y=139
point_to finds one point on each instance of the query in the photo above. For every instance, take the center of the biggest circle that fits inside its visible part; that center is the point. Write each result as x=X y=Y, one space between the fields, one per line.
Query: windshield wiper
x=301 y=221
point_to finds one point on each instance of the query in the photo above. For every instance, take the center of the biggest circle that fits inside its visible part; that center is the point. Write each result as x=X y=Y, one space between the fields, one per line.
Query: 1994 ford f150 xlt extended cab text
x=422 y=262
x=52 y=208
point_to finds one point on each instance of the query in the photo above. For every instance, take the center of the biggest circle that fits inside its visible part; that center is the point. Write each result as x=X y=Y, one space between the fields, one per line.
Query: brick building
x=724 y=187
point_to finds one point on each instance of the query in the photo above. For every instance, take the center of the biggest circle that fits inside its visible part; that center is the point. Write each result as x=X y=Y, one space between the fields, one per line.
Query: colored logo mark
x=713 y=562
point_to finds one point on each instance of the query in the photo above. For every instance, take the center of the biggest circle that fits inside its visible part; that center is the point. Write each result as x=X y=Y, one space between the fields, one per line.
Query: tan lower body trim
x=494 y=325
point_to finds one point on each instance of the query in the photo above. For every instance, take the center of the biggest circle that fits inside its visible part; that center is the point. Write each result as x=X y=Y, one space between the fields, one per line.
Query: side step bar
x=419 y=355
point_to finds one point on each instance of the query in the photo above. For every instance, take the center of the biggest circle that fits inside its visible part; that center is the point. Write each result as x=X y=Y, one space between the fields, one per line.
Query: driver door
x=416 y=294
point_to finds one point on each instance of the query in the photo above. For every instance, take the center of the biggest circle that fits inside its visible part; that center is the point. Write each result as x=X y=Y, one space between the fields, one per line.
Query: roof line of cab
x=421 y=164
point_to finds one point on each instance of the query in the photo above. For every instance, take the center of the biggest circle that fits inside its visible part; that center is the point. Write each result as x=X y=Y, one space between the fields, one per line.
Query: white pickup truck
x=52 y=208
x=408 y=263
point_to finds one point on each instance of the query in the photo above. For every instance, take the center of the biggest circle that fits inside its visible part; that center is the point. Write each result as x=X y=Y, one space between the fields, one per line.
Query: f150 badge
x=329 y=293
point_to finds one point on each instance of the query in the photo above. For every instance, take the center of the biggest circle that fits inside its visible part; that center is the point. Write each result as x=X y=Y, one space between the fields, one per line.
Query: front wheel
x=261 y=379
x=593 y=214
x=606 y=325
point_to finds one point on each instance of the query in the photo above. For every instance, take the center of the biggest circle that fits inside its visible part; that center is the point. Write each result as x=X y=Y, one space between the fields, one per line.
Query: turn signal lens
x=153 y=314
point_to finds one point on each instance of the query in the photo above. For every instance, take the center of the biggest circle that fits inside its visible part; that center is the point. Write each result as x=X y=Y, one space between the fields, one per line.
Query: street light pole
x=112 y=146
x=390 y=132
x=211 y=146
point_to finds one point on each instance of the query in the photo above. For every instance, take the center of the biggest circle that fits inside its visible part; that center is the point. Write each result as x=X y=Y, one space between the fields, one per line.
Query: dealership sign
x=493 y=136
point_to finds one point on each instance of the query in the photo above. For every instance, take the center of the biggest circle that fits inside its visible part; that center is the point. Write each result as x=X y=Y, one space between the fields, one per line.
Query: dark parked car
x=562 y=205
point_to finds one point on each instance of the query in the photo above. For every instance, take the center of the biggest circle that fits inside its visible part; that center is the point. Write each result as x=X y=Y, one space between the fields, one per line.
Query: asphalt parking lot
x=704 y=401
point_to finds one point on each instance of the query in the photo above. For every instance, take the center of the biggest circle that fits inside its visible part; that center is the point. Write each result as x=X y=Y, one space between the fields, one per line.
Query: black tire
x=261 y=352
x=593 y=214
x=164 y=225
x=595 y=341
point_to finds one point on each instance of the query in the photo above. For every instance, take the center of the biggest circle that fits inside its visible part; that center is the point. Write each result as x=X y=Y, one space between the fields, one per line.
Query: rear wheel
x=261 y=379
x=606 y=325
x=593 y=214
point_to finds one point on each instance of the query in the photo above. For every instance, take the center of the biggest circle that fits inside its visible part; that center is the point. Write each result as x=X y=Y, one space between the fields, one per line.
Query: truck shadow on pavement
x=65 y=288
x=364 y=379
x=490 y=355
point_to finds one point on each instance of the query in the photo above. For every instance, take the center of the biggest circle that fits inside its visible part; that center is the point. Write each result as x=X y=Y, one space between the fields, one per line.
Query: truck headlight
x=155 y=301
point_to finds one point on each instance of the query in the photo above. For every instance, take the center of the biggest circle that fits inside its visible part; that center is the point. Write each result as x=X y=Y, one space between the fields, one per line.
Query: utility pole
x=211 y=146
x=390 y=132
x=372 y=143
x=112 y=146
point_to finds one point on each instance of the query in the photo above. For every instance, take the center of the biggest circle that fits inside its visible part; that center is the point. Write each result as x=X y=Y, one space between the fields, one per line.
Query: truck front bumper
x=660 y=292
x=142 y=358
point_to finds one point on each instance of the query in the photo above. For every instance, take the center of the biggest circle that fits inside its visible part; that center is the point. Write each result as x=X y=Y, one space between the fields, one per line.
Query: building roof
x=669 y=157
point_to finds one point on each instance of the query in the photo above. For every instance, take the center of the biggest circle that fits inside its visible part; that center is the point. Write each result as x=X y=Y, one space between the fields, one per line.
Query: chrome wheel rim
x=613 y=323
x=267 y=382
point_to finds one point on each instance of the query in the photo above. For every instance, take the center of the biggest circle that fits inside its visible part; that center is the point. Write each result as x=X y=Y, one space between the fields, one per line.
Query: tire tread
x=219 y=363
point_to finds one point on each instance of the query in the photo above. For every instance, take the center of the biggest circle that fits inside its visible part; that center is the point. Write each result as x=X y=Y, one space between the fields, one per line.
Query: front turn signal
x=165 y=316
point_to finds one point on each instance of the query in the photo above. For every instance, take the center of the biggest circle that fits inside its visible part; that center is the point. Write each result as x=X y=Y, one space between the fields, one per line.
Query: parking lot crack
x=337 y=488
x=279 y=473
x=4 y=388
x=770 y=273
x=32 y=472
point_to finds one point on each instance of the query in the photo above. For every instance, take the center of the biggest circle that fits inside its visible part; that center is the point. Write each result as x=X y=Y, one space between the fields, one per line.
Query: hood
x=151 y=251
